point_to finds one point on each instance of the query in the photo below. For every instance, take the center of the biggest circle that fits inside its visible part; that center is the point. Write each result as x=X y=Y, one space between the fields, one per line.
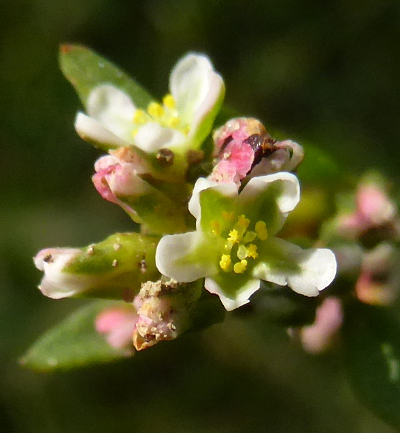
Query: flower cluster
x=209 y=218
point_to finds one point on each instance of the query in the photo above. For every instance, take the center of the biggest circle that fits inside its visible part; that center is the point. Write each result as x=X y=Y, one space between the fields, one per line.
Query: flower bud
x=329 y=318
x=163 y=309
x=117 y=324
x=114 y=268
x=244 y=147
x=378 y=283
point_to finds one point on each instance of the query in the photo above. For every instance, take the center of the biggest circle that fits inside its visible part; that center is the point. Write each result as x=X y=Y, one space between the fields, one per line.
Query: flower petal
x=184 y=258
x=197 y=89
x=305 y=271
x=233 y=299
x=228 y=189
x=271 y=198
x=91 y=130
x=56 y=283
x=113 y=108
x=152 y=137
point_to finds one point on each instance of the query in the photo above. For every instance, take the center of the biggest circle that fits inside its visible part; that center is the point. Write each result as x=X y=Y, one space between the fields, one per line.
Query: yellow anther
x=225 y=262
x=134 y=133
x=169 y=101
x=139 y=117
x=173 y=122
x=233 y=236
x=243 y=222
x=252 y=251
x=261 y=230
x=229 y=245
x=215 y=228
x=249 y=236
x=228 y=216
x=155 y=110
x=242 y=252
x=186 y=130
x=240 y=267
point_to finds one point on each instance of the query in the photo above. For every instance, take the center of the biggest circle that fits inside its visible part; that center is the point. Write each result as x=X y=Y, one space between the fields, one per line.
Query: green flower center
x=165 y=114
x=241 y=243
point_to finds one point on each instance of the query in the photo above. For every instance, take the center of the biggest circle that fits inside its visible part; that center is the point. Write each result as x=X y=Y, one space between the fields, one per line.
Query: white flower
x=183 y=119
x=234 y=246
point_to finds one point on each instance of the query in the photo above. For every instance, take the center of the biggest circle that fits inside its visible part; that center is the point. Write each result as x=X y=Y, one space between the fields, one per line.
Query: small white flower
x=234 y=246
x=183 y=119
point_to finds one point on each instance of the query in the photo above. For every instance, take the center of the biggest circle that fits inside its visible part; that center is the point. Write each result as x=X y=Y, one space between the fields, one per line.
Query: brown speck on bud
x=116 y=246
x=48 y=258
x=114 y=263
x=194 y=156
x=165 y=156
x=143 y=266
x=90 y=250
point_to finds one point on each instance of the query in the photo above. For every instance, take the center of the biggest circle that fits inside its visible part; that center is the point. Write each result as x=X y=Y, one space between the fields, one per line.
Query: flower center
x=241 y=243
x=165 y=114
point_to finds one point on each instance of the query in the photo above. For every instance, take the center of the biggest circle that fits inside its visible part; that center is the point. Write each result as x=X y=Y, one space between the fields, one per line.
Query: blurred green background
x=324 y=72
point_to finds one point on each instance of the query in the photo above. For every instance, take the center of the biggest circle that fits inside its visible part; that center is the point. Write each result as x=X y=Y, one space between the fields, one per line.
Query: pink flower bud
x=378 y=283
x=329 y=318
x=374 y=209
x=117 y=176
x=243 y=147
x=117 y=324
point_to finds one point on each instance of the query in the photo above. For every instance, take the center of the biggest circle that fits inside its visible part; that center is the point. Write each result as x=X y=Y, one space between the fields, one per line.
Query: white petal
x=57 y=284
x=229 y=189
x=242 y=297
x=315 y=268
x=113 y=108
x=152 y=137
x=171 y=253
x=289 y=195
x=297 y=153
x=89 y=129
x=196 y=87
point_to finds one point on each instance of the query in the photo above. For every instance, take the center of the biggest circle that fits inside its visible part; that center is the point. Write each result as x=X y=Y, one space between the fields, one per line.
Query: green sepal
x=372 y=349
x=85 y=69
x=116 y=267
x=73 y=343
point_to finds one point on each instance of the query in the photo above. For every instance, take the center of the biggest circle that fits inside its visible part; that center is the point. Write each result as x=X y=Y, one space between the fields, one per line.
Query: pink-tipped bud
x=243 y=148
x=329 y=318
x=117 y=324
x=378 y=283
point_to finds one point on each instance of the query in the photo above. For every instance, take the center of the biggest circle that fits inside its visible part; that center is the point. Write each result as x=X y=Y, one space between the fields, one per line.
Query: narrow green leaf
x=85 y=70
x=73 y=343
x=372 y=347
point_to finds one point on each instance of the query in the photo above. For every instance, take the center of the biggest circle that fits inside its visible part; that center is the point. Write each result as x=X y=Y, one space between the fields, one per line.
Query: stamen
x=225 y=262
x=249 y=236
x=173 y=122
x=240 y=267
x=155 y=110
x=242 y=252
x=233 y=236
x=243 y=222
x=169 y=101
x=252 y=251
x=261 y=230
x=139 y=117
x=228 y=216
x=228 y=246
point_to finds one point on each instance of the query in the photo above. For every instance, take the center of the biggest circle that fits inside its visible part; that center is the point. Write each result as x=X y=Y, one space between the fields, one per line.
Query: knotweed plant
x=209 y=196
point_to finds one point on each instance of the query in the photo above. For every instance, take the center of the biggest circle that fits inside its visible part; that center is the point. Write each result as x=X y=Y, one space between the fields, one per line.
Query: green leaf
x=85 y=69
x=372 y=348
x=73 y=343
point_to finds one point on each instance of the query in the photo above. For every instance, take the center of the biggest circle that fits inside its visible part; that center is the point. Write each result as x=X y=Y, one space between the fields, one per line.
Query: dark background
x=325 y=73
